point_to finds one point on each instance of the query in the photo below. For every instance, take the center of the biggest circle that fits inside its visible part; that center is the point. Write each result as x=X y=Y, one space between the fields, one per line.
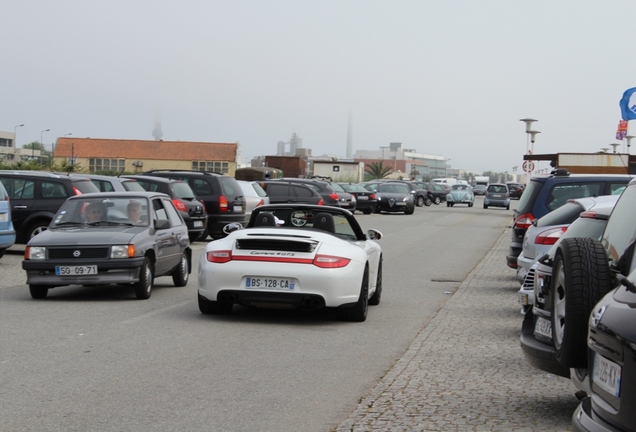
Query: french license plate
x=607 y=375
x=238 y=208
x=75 y=270
x=362 y=198
x=270 y=283
x=543 y=327
x=198 y=224
x=497 y=195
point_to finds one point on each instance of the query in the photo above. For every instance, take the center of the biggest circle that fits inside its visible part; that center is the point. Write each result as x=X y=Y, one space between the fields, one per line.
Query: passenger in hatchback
x=94 y=212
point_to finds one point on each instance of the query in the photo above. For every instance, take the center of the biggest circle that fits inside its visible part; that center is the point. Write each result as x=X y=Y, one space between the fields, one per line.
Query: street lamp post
x=530 y=138
x=15 y=134
x=629 y=141
x=42 y=144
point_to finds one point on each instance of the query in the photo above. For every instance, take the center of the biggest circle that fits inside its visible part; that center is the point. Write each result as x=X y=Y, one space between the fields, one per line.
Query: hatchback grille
x=276 y=245
x=70 y=253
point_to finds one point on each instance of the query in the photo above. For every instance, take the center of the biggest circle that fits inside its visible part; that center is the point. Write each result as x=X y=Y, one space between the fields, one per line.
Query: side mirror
x=229 y=228
x=161 y=224
x=374 y=234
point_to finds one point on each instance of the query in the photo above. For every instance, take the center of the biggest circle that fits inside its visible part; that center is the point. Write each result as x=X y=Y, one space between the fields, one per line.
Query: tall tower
x=349 y=138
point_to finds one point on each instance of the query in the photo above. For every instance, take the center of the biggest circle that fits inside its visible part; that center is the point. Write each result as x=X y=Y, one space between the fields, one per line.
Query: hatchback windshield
x=99 y=211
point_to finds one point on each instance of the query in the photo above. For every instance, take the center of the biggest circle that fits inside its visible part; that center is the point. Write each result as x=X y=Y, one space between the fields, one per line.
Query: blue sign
x=628 y=106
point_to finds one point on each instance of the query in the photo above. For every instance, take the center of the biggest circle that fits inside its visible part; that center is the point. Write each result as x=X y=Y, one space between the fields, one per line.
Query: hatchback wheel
x=143 y=287
x=181 y=273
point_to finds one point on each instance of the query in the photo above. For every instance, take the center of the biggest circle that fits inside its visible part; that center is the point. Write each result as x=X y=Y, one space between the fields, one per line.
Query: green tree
x=377 y=170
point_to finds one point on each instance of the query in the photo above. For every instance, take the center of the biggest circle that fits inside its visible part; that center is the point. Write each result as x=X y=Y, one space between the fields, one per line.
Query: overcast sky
x=445 y=77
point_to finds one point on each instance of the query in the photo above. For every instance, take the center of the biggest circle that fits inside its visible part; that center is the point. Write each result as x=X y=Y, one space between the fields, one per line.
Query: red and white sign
x=528 y=166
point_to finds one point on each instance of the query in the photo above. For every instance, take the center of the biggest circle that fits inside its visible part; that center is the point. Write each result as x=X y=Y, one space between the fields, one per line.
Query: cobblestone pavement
x=465 y=370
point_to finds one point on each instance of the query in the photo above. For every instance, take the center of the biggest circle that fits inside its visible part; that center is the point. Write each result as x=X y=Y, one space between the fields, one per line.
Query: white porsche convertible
x=293 y=256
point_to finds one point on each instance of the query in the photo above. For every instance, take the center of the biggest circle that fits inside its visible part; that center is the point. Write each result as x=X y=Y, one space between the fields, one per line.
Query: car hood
x=86 y=235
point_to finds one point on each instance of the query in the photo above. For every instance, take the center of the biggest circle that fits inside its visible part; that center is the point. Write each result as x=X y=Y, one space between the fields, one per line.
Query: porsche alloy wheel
x=358 y=312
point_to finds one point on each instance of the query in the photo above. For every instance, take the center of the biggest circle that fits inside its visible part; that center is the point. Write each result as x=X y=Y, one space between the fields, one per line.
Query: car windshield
x=336 y=187
x=96 y=211
x=459 y=187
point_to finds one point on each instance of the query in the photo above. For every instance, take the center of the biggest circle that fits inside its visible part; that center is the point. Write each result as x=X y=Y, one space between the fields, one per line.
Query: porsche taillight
x=219 y=256
x=550 y=237
x=330 y=261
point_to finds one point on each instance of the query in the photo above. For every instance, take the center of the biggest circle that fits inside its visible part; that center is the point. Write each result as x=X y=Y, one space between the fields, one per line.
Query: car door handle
x=20 y=207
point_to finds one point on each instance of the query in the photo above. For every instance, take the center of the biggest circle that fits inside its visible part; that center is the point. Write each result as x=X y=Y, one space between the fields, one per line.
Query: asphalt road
x=94 y=358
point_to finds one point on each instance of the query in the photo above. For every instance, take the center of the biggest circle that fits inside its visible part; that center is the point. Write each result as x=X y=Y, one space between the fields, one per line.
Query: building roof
x=141 y=149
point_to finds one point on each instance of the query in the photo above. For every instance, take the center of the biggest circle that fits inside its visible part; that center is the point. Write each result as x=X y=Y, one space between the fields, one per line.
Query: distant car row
x=578 y=295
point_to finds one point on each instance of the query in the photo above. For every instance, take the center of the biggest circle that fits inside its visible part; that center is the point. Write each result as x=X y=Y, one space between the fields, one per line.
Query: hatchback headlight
x=121 y=251
x=35 y=253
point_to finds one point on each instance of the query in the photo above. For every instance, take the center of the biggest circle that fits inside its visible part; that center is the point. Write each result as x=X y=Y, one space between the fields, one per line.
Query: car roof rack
x=186 y=171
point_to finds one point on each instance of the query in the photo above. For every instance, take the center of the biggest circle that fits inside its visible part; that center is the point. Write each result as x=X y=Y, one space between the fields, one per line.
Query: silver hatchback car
x=497 y=195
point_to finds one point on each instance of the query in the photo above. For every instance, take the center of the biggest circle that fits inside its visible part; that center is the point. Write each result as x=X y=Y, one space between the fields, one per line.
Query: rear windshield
x=259 y=190
x=182 y=190
x=132 y=186
x=354 y=188
x=564 y=215
x=336 y=187
x=230 y=187
x=85 y=185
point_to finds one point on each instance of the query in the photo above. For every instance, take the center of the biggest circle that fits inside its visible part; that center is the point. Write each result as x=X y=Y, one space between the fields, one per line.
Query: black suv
x=221 y=194
x=283 y=192
x=329 y=196
x=546 y=193
x=36 y=196
x=183 y=198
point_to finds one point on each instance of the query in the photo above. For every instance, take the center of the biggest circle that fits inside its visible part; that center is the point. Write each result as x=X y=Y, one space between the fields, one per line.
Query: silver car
x=254 y=195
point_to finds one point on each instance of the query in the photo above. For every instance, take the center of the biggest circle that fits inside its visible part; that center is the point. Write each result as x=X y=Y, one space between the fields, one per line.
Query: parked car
x=395 y=197
x=284 y=192
x=318 y=258
x=546 y=193
x=7 y=232
x=254 y=196
x=323 y=187
x=114 y=184
x=419 y=192
x=497 y=196
x=545 y=231
x=437 y=191
x=515 y=190
x=611 y=339
x=220 y=194
x=36 y=196
x=347 y=200
x=366 y=201
x=460 y=193
x=536 y=296
x=191 y=209
x=93 y=241
x=480 y=189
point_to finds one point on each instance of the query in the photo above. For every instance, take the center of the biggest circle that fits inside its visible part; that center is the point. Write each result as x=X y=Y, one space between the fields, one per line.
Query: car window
x=150 y=187
x=277 y=189
x=620 y=230
x=566 y=214
x=159 y=209
x=182 y=190
x=103 y=186
x=173 y=215
x=19 y=188
x=230 y=187
x=53 y=189
x=560 y=194
x=258 y=189
x=336 y=187
x=201 y=187
x=132 y=186
x=303 y=219
x=354 y=188
x=3 y=193
x=303 y=192
x=84 y=186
